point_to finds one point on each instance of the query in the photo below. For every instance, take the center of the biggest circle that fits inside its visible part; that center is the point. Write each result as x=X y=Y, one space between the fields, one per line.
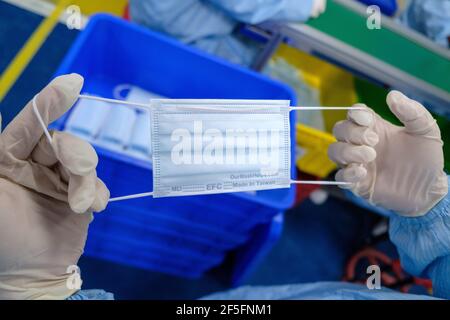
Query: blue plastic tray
x=111 y=51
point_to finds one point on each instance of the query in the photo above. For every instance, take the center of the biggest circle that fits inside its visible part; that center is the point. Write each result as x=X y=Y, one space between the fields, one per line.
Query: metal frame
x=317 y=43
x=390 y=23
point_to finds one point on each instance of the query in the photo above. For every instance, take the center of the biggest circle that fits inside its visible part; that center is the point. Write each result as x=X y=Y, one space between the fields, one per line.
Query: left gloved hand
x=47 y=196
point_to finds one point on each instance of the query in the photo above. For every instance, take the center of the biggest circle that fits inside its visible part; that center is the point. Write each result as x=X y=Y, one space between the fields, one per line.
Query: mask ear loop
x=132 y=196
x=41 y=122
x=321 y=182
x=50 y=140
x=147 y=107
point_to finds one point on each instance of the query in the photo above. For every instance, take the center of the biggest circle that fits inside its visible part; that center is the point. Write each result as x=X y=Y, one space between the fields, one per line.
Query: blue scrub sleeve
x=431 y=18
x=191 y=20
x=186 y=20
x=423 y=244
x=92 y=294
x=210 y=24
x=257 y=11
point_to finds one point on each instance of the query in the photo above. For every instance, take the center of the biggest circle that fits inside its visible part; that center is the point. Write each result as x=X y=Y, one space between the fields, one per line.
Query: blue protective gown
x=210 y=24
x=431 y=18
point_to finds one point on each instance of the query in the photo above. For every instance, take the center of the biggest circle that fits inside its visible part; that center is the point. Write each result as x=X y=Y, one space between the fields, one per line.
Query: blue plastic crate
x=142 y=224
x=136 y=254
x=181 y=238
x=254 y=251
x=176 y=262
x=237 y=218
x=111 y=51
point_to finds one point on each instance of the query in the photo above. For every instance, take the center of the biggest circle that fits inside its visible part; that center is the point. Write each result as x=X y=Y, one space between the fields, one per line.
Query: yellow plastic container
x=336 y=88
x=315 y=142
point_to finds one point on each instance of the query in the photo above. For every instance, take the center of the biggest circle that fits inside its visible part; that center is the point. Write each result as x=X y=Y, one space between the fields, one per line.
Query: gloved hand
x=318 y=7
x=398 y=168
x=46 y=198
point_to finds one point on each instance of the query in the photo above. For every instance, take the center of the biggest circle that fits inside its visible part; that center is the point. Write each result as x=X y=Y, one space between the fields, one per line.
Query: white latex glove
x=46 y=199
x=318 y=7
x=398 y=168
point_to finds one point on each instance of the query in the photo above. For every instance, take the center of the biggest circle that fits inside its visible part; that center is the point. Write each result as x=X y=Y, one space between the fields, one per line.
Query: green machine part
x=390 y=47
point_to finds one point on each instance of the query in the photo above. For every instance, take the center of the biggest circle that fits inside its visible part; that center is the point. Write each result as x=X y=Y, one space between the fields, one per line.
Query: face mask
x=217 y=146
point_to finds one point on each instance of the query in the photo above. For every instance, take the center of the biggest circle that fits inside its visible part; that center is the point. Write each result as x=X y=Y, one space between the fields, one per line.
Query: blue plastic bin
x=254 y=251
x=111 y=51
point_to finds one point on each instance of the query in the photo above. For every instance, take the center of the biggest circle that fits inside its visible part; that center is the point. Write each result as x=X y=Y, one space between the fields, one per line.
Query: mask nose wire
x=146 y=106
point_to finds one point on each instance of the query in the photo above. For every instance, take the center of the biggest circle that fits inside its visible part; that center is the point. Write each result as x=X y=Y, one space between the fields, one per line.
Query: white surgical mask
x=217 y=146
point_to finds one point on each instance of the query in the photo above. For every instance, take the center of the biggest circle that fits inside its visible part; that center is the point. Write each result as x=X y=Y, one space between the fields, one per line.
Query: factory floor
x=316 y=242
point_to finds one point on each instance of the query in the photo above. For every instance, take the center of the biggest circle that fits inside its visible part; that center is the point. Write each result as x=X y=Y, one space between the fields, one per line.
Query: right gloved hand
x=400 y=168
